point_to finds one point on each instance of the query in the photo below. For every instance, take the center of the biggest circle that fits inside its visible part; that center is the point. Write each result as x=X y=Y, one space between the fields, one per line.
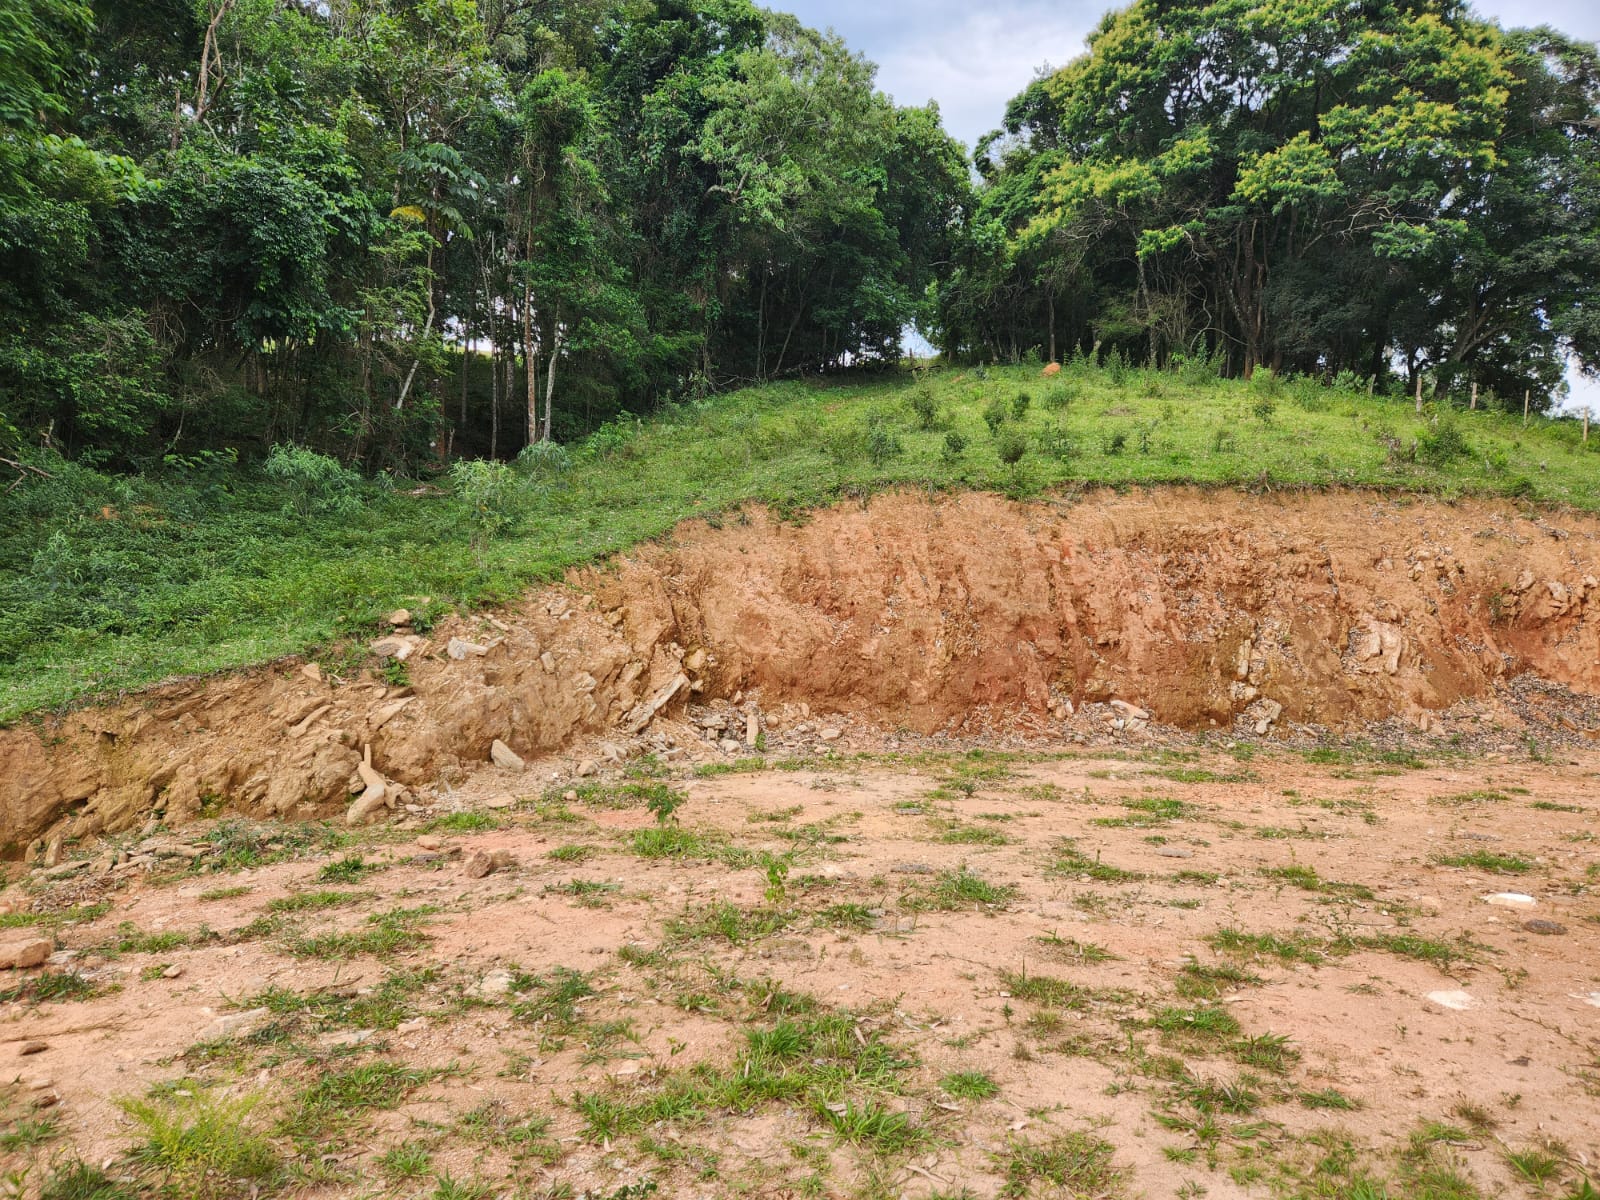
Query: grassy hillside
x=110 y=583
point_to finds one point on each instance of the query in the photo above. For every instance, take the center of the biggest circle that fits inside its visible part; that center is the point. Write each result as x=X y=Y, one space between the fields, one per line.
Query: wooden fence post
x=1527 y=399
x=1474 y=397
x=1419 y=393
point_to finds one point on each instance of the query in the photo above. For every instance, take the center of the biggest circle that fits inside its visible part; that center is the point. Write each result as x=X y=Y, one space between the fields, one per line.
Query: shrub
x=995 y=414
x=1115 y=444
x=490 y=492
x=544 y=460
x=924 y=407
x=1019 y=406
x=313 y=482
x=954 y=445
x=1011 y=446
x=1441 y=445
x=882 y=445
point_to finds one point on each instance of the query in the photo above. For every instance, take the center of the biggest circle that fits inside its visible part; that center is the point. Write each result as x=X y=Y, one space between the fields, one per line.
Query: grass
x=1069 y=860
x=202 y=1144
x=958 y=889
x=970 y=1085
x=1486 y=860
x=384 y=935
x=50 y=987
x=1078 y=1164
x=192 y=577
x=335 y=1098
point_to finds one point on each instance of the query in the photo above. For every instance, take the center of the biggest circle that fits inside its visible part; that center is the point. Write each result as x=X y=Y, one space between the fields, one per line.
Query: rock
x=25 y=954
x=30 y=1048
x=1547 y=928
x=505 y=757
x=428 y=842
x=587 y=768
x=500 y=802
x=236 y=1024
x=1131 y=711
x=349 y=1037
x=1510 y=900
x=729 y=746
x=483 y=863
x=172 y=972
x=548 y=662
x=696 y=661
x=395 y=647
x=312 y=671
x=399 y=617
x=1454 y=1001
x=65 y=869
x=415 y=1025
x=752 y=729
x=643 y=714
x=495 y=983
x=52 y=852
x=831 y=734
x=460 y=648
x=388 y=713
x=1174 y=852
x=570 y=797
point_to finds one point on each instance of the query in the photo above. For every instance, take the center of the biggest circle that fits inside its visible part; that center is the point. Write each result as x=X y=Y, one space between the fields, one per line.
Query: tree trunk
x=550 y=385
x=529 y=362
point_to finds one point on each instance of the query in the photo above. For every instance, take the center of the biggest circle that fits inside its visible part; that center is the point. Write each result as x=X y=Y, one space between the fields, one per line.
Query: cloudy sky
x=973 y=57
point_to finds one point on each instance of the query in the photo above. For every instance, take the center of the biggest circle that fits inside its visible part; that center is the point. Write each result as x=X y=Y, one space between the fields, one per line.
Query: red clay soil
x=1278 y=613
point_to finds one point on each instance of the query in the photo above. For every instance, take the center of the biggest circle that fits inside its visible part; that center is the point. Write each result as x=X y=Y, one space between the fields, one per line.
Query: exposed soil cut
x=1278 y=615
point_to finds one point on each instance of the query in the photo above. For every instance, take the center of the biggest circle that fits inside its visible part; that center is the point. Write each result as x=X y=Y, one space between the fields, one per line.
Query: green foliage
x=314 y=483
x=203 y=1144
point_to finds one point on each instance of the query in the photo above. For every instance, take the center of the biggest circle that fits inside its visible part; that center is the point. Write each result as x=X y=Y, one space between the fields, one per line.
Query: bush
x=1011 y=446
x=882 y=445
x=1441 y=445
x=924 y=407
x=314 y=482
x=544 y=460
x=1115 y=444
x=490 y=491
x=1019 y=406
x=954 y=445
x=995 y=414
x=1264 y=409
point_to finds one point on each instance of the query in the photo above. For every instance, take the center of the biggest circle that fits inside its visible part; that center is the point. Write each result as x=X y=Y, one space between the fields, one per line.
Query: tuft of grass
x=970 y=1085
x=573 y=853
x=28 y=1132
x=958 y=889
x=385 y=935
x=50 y=987
x=1045 y=990
x=1486 y=860
x=314 y=901
x=1078 y=1164
x=335 y=1098
x=465 y=822
x=408 y=1160
x=77 y=1180
x=1070 y=860
x=349 y=869
x=1284 y=948
x=202 y=1144
x=878 y=1129
x=728 y=922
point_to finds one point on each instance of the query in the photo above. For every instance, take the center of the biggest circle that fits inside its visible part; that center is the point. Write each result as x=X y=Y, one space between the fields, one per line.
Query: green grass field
x=110 y=583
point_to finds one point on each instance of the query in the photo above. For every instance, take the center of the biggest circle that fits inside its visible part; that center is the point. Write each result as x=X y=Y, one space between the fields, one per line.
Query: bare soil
x=1137 y=876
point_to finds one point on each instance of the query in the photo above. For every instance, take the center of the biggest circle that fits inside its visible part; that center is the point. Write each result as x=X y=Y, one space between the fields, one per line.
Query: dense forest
x=407 y=231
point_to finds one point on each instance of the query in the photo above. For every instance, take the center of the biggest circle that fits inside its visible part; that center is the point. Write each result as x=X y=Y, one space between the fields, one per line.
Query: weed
x=202 y=1144
x=1071 y=861
x=573 y=853
x=464 y=822
x=334 y=1098
x=408 y=1160
x=959 y=889
x=28 y=1132
x=50 y=987
x=871 y=1125
x=970 y=1085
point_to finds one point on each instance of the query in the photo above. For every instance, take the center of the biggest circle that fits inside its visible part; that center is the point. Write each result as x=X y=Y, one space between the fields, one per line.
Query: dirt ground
x=897 y=966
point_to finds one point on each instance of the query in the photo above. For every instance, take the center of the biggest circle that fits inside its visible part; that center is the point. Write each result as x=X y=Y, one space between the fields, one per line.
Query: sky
x=974 y=57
